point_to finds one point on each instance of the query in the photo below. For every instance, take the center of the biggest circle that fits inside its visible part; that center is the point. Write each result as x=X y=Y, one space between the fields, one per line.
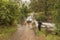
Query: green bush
x=24 y=10
x=41 y=18
x=56 y=19
x=57 y=29
x=9 y=13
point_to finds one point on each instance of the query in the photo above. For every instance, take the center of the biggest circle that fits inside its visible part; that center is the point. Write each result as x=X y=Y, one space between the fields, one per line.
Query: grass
x=40 y=32
x=53 y=37
x=5 y=32
x=49 y=36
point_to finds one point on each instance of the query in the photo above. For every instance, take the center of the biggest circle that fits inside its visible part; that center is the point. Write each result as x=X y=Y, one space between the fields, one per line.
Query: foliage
x=6 y=32
x=24 y=13
x=56 y=16
x=41 y=18
x=24 y=10
x=42 y=5
x=46 y=6
x=9 y=13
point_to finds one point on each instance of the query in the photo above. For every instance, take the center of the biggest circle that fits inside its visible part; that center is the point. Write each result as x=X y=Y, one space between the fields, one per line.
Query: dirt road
x=23 y=33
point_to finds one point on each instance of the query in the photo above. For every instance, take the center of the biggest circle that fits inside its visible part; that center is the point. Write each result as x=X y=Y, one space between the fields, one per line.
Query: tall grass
x=6 y=32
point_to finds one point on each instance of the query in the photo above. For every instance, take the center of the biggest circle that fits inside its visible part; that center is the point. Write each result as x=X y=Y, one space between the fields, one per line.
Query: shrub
x=41 y=18
x=9 y=13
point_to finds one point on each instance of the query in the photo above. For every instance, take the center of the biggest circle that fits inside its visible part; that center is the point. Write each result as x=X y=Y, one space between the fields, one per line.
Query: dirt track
x=23 y=33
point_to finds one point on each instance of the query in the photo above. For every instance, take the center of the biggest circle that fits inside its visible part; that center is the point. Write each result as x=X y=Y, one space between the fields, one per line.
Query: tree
x=9 y=13
x=46 y=6
x=37 y=5
x=56 y=16
x=24 y=12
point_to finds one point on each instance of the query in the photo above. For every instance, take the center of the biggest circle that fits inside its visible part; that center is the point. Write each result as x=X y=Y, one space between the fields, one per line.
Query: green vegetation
x=48 y=37
x=48 y=11
x=6 y=32
x=24 y=10
x=14 y=12
x=10 y=15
